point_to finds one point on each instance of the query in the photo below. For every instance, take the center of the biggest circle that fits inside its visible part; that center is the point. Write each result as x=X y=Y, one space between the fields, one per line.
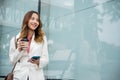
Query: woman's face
x=33 y=22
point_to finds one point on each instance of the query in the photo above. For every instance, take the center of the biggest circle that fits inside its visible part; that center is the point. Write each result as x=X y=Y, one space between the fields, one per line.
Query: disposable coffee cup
x=25 y=40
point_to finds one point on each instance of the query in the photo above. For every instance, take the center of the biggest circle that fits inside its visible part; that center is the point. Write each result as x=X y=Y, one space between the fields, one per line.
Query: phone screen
x=35 y=57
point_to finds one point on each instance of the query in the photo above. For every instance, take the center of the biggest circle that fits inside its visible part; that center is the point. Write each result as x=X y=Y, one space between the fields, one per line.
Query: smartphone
x=35 y=57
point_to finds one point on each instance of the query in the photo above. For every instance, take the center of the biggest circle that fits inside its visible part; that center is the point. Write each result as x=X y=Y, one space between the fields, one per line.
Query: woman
x=28 y=68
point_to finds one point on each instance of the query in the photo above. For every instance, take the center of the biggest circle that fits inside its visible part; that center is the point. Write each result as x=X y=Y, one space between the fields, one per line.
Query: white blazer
x=24 y=68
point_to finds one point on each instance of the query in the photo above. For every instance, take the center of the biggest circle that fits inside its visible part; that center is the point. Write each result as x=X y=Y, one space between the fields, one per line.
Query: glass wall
x=84 y=40
x=83 y=36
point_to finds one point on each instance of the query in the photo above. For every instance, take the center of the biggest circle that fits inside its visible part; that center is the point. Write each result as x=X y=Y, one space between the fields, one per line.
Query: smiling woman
x=27 y=67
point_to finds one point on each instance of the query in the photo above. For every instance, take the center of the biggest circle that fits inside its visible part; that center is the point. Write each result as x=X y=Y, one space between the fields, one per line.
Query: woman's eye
x=37 y=20
x=32 y=18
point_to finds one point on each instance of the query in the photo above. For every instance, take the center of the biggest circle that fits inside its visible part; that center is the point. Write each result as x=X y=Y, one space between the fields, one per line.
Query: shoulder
x=18 y=35
x=45 y=39
x=15 y=37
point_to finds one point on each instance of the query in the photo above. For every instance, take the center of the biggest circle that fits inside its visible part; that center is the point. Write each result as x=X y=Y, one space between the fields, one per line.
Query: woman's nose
x=35 y=22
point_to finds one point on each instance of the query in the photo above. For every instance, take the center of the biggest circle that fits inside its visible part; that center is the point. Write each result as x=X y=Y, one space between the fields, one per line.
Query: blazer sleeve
x=14 y=54
x=44 y=59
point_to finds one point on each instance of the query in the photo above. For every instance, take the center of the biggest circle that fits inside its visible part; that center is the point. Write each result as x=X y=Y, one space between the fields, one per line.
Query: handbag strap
x=15 y=48
x=14 y=67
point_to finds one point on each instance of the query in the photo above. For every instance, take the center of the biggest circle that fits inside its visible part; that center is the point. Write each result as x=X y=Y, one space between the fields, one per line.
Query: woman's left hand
x=34 y=61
